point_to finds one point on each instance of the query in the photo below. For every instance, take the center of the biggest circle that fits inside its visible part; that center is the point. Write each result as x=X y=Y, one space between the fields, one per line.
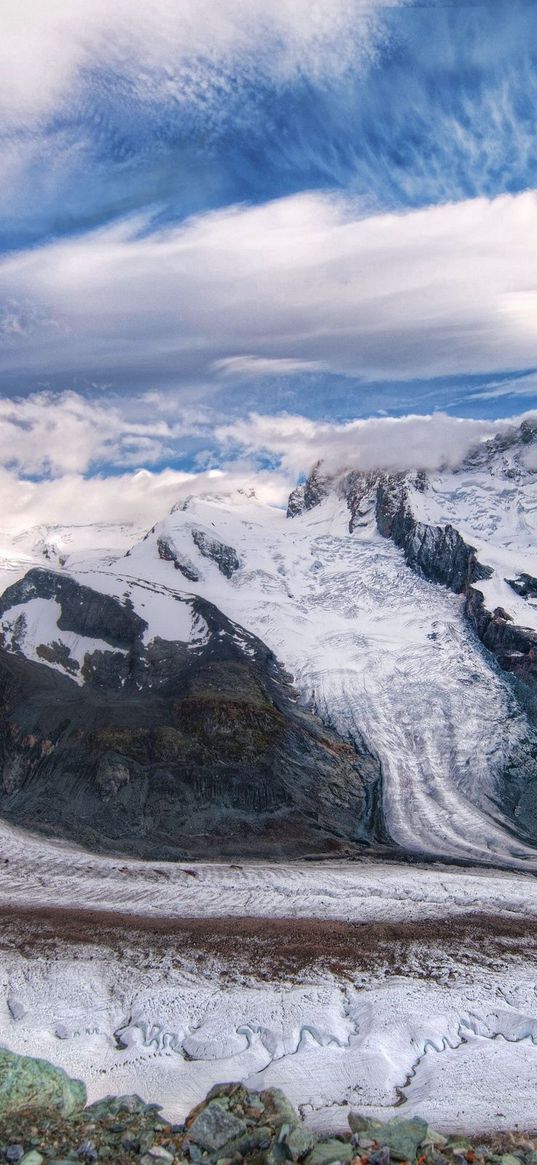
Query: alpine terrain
x=357 y=672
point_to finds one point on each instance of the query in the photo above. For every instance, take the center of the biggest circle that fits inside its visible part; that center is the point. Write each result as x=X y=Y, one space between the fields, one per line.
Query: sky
x=236 y=235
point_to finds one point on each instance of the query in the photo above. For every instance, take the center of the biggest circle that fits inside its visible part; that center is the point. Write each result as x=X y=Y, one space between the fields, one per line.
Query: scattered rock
x=232 y=1126
x=155 y=1154
x=14 y=1153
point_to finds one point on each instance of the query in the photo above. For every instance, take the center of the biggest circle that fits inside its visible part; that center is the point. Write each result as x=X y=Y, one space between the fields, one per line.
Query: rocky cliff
x=165 y=748
x=438 y=553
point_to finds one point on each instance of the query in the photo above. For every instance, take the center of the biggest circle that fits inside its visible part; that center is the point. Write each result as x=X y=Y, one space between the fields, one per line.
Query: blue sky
x=323 y=208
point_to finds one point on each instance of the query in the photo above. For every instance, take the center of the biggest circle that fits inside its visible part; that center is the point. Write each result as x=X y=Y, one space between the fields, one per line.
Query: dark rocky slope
x=169 y=752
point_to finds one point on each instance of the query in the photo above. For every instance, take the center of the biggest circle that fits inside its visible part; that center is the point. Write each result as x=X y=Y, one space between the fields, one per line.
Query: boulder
x=29 y=1083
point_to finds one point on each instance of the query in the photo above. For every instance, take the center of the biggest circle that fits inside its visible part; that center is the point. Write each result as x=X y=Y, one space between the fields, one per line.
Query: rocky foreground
x=44 y=1119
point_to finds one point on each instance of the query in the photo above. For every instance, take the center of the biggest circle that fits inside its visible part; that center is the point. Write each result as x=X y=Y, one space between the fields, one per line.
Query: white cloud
x=392 y=443
x=61 y=434
x=65 y=436
x=169 y=49
x=252 y=366
x=141 y=498
x=445 y=290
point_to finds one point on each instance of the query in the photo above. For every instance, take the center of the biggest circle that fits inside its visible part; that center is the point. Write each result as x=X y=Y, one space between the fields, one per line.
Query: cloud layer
x=66 y=460
x=170 y=48
x=306 y=281
x=188 y=106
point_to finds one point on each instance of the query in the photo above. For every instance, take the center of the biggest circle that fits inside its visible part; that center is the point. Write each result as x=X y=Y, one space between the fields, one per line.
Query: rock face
x=525 y=585
x=26 y=1083
x=515 y=647
x=438 y=553
x=226 y=558
x=169 y=553
x=441 y=555
x=307 y=496
x=83 y=610
x=296 y=504
x=169 y=749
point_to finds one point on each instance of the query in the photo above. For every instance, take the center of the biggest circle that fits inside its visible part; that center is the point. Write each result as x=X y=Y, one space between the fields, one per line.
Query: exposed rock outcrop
x=225 y=557
x=168 y=552
x=515 y=647
x=309 y=495
x=296 y=503
x=524 y=585
x=168 y=750
x=441 y=555
x=83 y=610
x=28 y=1084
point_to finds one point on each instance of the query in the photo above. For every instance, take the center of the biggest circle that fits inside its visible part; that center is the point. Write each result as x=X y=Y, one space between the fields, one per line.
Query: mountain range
x=357 y=672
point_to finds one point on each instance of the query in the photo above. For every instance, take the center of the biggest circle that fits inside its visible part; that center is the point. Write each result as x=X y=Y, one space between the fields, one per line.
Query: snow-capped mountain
x=402 y=606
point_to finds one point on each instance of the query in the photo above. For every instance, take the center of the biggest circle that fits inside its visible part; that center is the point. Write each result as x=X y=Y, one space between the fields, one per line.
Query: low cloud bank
x=69 y=460
x=391 y=443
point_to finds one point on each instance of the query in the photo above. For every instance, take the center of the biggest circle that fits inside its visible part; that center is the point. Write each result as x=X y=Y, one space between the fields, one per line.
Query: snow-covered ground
x=440 y=1023
x=383 y=655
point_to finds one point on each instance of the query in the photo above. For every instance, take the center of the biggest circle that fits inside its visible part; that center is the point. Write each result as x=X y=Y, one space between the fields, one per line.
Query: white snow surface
x=460 y=1053
x=456 y=1045
x=382 y=655
x=39 y=628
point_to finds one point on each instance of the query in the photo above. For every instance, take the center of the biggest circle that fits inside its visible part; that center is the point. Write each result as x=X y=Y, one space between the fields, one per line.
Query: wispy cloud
x=252 y=366
x=170 y=48
x=186 y=106
x=308 y=280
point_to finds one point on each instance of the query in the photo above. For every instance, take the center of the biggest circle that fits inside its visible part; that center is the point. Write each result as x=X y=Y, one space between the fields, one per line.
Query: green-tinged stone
x=32 y=1158
x=29 y=1083
x=215 y=1126
x=277 y=1154
x=434 y=1138
x=299 y=1142
x=278 y=1108
x=112 y=1105
x=363 y=1124
x=509 y=1159
x=402 y=1137
x=254 y=1138
x=326 y=1152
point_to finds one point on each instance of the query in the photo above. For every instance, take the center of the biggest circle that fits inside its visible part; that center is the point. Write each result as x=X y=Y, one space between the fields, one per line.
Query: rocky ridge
x=40 y=1126
x=439 y=553
x=167 y=749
